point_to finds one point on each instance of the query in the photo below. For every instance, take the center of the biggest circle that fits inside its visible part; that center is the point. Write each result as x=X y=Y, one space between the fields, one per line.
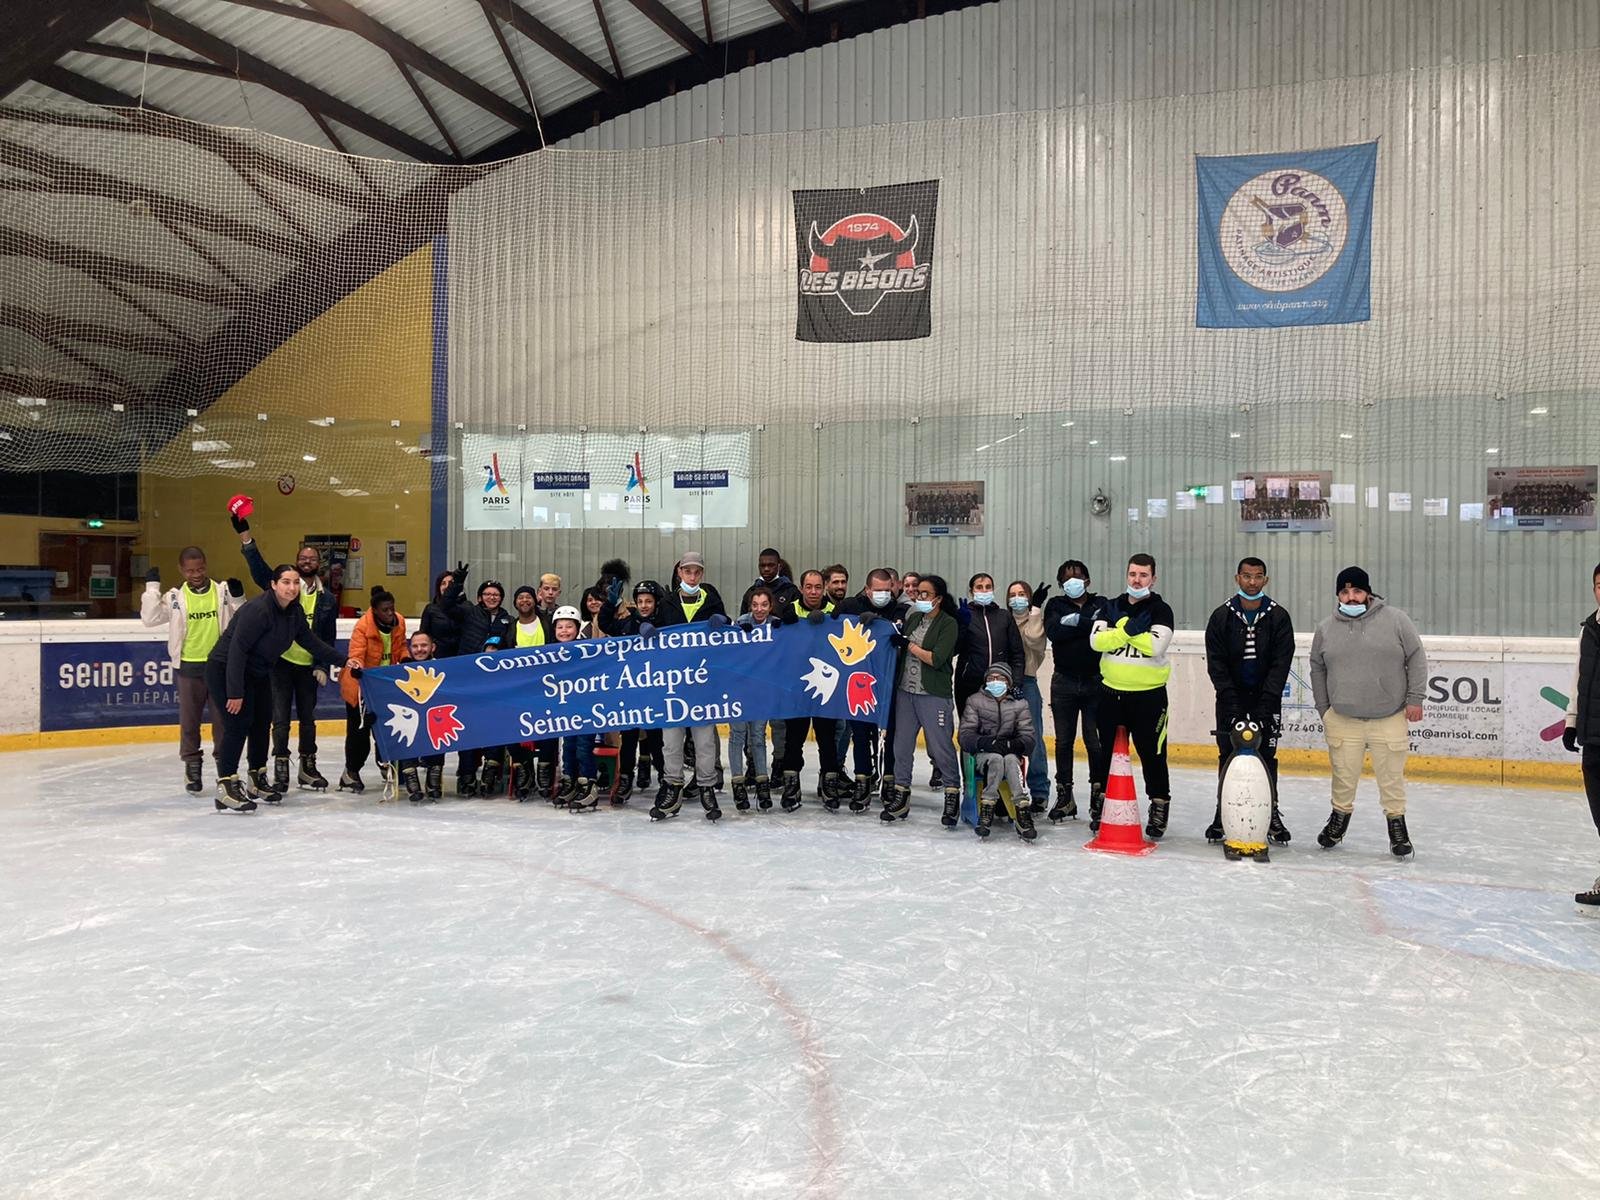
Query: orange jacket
x=366 y=647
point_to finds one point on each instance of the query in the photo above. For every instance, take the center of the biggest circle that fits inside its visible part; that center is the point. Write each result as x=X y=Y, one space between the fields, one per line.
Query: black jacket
x=990 y=636
x=1588 y=689
x=257 y=636
x=859 y=606
x=325 y=616
x=1070 y=651
x=783 y=592
x=1232 y=645
x=441 y=620
x=669 y=610
x=479 y=626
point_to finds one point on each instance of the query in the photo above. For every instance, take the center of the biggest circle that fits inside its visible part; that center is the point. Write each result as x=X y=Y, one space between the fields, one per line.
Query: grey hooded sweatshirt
x=1368 y=667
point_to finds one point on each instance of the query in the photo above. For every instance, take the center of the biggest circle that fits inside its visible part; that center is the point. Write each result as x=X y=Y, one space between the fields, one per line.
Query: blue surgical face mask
x=1244 y=595
x=1138 y=593
x=1352 y=610
x=983 y=597
x=879 y=599
x=923 y=606
x=995 y=688
x=1074 y=588
x=1018 y=603
x=687 y=588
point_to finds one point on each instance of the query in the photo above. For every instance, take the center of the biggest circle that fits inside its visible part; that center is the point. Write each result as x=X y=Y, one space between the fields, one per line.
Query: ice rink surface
x=481 y=1000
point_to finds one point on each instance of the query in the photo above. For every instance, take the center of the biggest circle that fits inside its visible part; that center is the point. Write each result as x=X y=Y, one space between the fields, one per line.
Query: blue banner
x=682 y=675
x=1286 y=239
x=101 y=685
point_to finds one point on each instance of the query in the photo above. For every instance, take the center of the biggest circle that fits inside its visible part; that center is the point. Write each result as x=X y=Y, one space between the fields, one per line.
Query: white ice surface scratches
x=338 y=1000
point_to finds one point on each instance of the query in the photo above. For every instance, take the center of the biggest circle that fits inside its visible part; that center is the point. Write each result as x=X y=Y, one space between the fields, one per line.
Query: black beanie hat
x=524 y=588
x=1352 y=577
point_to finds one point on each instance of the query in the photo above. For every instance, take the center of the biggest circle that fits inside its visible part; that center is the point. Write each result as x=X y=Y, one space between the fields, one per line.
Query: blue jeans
x=577 y=756
x=1038 y=768
x=747 y=742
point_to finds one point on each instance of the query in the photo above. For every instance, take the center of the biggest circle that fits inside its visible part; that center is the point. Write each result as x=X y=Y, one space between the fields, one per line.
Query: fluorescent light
x=1233 y=433
x=1119 y=458
x=322 y=421
x=1538 y=412
x=1492 y=450
x=1068 y=424
x=1094 y=441
x=1347 y=436
x=209 y=447
x=309 y=457
x=119 y=408
x=233 y=464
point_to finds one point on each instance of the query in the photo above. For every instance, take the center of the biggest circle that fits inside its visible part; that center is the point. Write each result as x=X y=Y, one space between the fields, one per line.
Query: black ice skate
x=1025 y=829
x=897 y=807
x=544 y=779
x=763 y=793
x=280 y=773
x=259 y=788
x=1399 y=839
x=1333 y=832
x=830 y=790
x=309 y=776
x=668 y=805
x=585 y=796
x=1065 y=807
x=936 y=780
x=1277 y=831
x=644 y=774
x=490 y=784
x=1156 y=827
x=231 y=797
x=624 y=789
x=351 y=780
x=565 y=791
x=522 y=782
x=951 y=816
x=1214 y=830
x=191 y=777
x=985 y=817
x=435 y=783
x=741 y=793
x=1037 y=804
x=861 y=800
x=1589 y=902
x=413 y=785
x=466 y=786
x=708 y=801
x=791 y=791
x=1097 y=803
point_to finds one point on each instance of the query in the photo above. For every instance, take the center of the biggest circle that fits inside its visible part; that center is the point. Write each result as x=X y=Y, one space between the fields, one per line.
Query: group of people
x=967 y=676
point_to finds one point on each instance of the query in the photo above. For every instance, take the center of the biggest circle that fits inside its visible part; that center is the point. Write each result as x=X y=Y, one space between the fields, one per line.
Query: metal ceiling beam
x=36 y=32
x=74 y=329
x=130 y=54
x=791 y=15
x=779 y=40
x=285 y=10
x=246 y=160
x=605 y=31
x=427 y=106
x=349 y=17
x=248 y=67
x=505 y=49
x=77 y=179
x=20 y=384
x=667 y=21
x=104 y=269
x=552 y=43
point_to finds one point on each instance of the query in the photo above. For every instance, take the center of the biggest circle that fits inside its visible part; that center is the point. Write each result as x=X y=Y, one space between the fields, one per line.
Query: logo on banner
x=496 y=481
x=852 y=645
x=442 y=724
x=636 y=482
x=859 y=693
x=1284 y=230
x=848 y=261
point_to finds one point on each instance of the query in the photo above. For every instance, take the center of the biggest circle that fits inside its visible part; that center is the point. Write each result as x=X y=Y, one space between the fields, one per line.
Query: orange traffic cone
x=1121 y=830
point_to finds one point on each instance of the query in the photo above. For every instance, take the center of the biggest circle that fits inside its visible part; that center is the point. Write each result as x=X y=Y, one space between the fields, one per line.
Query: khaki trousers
x=1350 y=739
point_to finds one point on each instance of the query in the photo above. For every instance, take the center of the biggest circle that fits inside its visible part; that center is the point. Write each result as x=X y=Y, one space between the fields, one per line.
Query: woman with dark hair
x=239 y=678
x=594 y=607
x=441 y=619
x=378 y=640
x=924 y=697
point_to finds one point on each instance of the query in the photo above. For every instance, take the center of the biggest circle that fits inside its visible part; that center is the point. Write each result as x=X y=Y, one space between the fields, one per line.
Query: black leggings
x=1591 y=781
x=250 y=725
x=293 y=687
x=1144 y=716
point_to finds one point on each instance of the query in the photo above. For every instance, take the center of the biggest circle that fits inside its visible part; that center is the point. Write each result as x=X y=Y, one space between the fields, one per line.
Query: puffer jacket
x=987 y=718
x=366 y=647
x=479 y=627
x=990 y=636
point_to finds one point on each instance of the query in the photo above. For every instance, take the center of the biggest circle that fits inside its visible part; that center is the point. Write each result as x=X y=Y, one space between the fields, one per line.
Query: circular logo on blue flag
x=1284 y=230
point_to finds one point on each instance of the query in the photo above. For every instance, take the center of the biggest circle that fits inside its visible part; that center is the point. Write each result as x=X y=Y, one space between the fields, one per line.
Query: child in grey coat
x=997 y=730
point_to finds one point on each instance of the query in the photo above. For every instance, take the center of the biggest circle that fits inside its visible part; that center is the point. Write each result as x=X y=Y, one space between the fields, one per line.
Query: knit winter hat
x=1352 y=577
x=1000 y=669
x=521 y=590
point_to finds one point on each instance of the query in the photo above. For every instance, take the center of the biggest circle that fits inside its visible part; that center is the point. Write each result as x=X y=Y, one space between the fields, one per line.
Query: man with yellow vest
x=296 y=679
x=195 y=616
x=533 y=763
x=1132 y=633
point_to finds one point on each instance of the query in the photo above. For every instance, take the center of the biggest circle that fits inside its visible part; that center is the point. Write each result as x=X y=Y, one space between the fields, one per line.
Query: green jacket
x=937 y=676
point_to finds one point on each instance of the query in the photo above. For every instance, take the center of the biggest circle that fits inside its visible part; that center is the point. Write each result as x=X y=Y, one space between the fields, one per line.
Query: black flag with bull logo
x=866 y=262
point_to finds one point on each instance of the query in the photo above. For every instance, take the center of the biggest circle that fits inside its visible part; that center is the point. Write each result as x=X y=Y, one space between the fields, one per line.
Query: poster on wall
x=1285 y=239
x=335 y=548
x=865 y=262
x=945 y=509
x=1284 y=501
x=606 y=481
x=1550 y=498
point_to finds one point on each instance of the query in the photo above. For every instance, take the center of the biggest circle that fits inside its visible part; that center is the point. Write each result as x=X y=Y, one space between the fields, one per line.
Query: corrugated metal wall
x=655 y=287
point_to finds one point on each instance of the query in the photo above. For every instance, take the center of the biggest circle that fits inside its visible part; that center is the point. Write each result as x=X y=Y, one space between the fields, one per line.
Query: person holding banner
x=533 y=764
x=696 y=600
x=378 y=640
x=747 y=741
x=423 y=778
x=874 y=602
x=296 y=680
x=239 y=676
x=486 y=627
x=924 y=699
x=814 y=607
x=577 y=793
x=626 y=622
x=195 y=616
